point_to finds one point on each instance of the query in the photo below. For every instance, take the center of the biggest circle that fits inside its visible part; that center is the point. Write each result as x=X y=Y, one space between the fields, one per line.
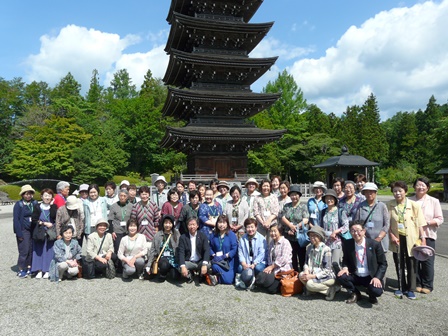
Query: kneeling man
x=364 y=264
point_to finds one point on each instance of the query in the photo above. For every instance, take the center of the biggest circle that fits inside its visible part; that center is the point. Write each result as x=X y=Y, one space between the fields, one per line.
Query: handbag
x=302 y=235
x=51 y=233
x=110 y=269
x=39 y=233
x=289 y=283
x=224 y=264
x=155 y=264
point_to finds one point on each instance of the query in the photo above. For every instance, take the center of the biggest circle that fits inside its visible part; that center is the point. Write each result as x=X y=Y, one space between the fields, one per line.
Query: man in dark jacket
x=193 y=251
x=364 y=264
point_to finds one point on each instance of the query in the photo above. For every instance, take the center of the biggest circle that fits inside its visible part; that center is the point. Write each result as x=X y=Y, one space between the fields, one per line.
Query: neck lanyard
x=133 y=245
x=123 y=213
x=30 y=206
x=316 y=258
x=213 y=209
x=268 y=206
x=361 y=261
x=402 y=212
x=46 y=214
x=221 y=241
x=330 y=215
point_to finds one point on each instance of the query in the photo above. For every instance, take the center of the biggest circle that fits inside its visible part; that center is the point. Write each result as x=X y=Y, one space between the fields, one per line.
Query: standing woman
x=338 y=186
x=201 y=190
x=209 y=211
x=95 y=208
x=44 y=215
x=275 y=185
x=266 y=209
x=119 y=214
x=168 y=235
x=237 y=210
x=250 y=194
x=223 y=249
x=360 y=180
x=132 y=251
x=214 y=187
x=23 y=228
x=375 y=216
x=111 y=196
x=173 y=206
x=295 y=217
x=434 y=218
x=70 y=214
x=147 y=215
x=283 y=198
x=334 y=221
x=351 y=201
x=316 y=203
x=279 y=260
x=224 y=196
x=406 y=227
x=62 y=190
x=190 y=210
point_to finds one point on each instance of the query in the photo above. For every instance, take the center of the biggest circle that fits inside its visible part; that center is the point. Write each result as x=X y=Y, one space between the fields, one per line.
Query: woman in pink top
x=434 y=218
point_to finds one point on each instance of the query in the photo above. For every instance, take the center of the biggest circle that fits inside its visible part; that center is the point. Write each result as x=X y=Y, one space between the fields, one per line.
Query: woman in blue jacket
x=223 y=249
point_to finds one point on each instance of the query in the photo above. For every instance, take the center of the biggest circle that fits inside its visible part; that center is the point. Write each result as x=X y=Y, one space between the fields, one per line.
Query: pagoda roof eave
x=182 y=6
x=257 y=30
x=178 y=99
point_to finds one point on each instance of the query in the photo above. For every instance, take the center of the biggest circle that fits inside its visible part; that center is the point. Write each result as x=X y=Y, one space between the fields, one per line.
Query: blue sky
x=338 y=51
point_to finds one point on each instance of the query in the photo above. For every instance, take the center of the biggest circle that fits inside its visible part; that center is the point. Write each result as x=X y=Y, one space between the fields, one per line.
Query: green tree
x=67 y=87
x=153 y=87
x=94 y=94
x=121 y=86
x=349 y=131
x=47 y=151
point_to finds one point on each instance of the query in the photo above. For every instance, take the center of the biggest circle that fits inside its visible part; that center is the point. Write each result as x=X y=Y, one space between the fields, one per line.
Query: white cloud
x=80 y=50
x=400 y=55
x=270 y=47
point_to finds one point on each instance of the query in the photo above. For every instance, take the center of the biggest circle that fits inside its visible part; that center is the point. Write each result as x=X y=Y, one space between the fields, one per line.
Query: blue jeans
x=258 y=268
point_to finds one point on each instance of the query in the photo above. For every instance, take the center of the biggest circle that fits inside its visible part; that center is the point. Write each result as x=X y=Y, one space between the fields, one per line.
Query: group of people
x=222 y=235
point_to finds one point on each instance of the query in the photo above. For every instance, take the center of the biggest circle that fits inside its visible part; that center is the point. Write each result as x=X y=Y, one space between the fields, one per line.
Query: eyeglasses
x=356 y=231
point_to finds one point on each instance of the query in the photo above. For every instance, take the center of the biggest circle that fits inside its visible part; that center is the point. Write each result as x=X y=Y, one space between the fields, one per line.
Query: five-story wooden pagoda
x=209 y=46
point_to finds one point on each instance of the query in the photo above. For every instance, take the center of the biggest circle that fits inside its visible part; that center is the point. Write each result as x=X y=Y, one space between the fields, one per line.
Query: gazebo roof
x=217 y=8
x=204 y=35
x=185 y=104
x=443 y=171
x=346 y=160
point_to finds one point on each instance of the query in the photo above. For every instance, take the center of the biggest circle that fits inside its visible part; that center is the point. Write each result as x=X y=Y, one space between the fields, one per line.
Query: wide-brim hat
x=294 y=189
x=317 y=230
x=246 y=276
x=102 y=221
x=423 y=252
x=331 y=192
x=72 y=203
x=223 y=184
x=369 y=186
x=83 y=187
x=160 y=178
x=26 y=188
x=319 y=184
x=252 y=180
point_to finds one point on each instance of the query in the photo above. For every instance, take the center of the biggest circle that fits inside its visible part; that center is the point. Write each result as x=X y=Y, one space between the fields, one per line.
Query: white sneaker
x=46 y=275
x=39 y=275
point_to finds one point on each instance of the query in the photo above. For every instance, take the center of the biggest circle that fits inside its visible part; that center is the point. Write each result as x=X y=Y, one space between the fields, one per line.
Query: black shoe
x=373 y=300
x=162 y=278
x=190 y=278
x=353 y=298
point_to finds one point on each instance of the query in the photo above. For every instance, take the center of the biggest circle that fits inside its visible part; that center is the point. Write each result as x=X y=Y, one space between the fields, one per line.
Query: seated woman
x=132 y=250
x=173 y=206
x=44 y=217
x=223 y=249
x=67 y=255
x=100 y=256
x=167 y=238
x=279 y=260
x=190 y=210
x=251 y=255
x=318 y=275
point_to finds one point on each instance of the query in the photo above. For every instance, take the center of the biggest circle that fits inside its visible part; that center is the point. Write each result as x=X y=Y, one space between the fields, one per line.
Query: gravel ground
x=101 y=306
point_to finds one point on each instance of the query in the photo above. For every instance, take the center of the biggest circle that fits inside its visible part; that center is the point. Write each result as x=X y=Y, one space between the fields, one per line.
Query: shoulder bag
x=155 y=264
x=289 y=283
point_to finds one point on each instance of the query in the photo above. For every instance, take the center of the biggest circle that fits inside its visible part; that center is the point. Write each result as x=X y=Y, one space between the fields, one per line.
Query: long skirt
x=42 y=255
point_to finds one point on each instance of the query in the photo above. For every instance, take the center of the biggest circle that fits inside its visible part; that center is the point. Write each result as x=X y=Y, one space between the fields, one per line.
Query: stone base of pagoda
x=223 y=164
